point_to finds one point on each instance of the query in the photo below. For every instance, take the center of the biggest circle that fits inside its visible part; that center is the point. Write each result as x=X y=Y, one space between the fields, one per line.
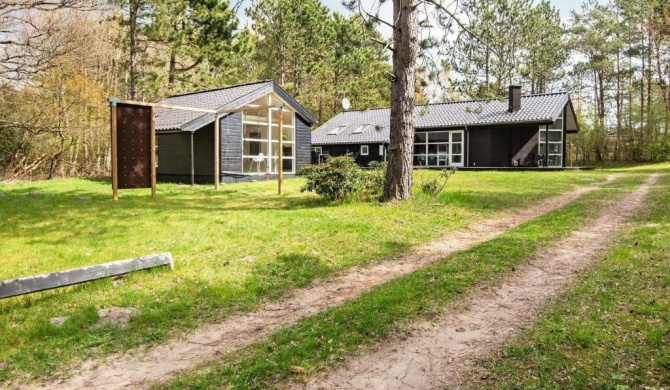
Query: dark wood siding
x=203 y=147
x=174 y=154
x=500 y=146
x=341 y=150
x=303 y=141
x=231 y=143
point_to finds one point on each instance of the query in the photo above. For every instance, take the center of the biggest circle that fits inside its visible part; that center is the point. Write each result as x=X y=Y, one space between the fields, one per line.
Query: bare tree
x=32 y=37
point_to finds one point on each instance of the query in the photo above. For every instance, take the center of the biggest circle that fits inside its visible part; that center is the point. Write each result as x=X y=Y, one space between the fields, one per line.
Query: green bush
x=336 y=179
x=374 y=178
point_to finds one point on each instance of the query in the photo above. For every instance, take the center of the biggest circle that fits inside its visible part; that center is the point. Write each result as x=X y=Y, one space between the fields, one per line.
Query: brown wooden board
x=134 y=145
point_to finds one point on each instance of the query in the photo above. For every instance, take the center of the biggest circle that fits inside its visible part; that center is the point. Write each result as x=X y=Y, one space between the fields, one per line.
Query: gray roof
x=542 y=109
x=220 y=98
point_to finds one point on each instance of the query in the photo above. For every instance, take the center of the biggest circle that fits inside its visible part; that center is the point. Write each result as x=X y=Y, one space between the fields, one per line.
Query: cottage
x=249 y=139
x=524 y=131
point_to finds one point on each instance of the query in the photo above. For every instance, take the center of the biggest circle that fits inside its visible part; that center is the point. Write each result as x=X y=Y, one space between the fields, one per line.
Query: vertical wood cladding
x=499 y=146
x=303 y=142
x=231 y=143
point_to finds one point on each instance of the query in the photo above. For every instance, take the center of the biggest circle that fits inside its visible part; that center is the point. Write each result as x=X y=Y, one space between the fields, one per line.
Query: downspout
x=565 y=126
x=467 y=146
x=192 y=162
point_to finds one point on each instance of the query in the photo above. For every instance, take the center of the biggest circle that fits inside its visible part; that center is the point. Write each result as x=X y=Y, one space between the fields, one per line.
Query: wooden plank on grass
x=11 y=288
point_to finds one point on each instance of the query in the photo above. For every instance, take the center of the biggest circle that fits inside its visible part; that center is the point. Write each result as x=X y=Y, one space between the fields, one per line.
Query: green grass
x=233 y=249
x=613 y=330
x=328 y=337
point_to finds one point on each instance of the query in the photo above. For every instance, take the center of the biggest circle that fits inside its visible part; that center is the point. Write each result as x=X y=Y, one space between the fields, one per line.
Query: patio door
x=442 y=155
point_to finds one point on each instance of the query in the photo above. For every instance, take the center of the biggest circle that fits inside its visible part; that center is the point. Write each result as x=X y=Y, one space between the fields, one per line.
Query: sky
x=564 y=6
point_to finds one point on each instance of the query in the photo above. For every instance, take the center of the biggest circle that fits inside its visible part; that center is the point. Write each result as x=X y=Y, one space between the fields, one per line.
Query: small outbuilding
x=524 y=131
x=249 y=139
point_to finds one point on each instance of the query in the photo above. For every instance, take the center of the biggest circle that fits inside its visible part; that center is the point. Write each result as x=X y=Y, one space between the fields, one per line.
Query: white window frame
x=271 y=160
x=365 y=150
x=381 y=150
x=541 y=145
x=360 y=129
x=441 y=157
x=317 y=149
x=337 y=130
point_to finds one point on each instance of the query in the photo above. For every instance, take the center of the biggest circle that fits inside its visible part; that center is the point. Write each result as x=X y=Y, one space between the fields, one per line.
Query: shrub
x=375 y=178
x=336 y=179
x=434 y=186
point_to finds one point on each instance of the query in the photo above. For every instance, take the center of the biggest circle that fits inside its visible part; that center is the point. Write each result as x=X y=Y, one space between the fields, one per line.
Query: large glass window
x=260 y=138
x=438 y=148
x=551 y=143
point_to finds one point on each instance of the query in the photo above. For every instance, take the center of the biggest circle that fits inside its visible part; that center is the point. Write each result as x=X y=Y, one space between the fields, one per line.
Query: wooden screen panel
x=134 y=145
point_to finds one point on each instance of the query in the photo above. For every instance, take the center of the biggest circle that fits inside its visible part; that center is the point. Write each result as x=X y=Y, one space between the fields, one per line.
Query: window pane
x=438 y=136
x=254 y=165
x=558 y=124
x=289 y=134
x=555 y=136
x=419 y=149
x=288 y=117
x=456 y=137
x=432 y=161
x=288 y=150
x=256 y=116
x=543 y=135
x=287 y=164
x=456 y=159
x=555 y=148
x=255 y=132
x=555 y=161
x=254 y=148
x=456 y=148
x=261 y=101
x=420 y=160
x=420 y=137
x=432 y=149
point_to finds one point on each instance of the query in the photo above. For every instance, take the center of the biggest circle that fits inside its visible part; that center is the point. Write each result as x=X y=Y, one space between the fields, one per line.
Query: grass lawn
x=328 y=337
x=613 y=330
x=232 y=248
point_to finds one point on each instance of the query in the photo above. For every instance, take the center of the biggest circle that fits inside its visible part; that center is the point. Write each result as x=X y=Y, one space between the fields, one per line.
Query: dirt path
x=140 y=368
x=441 y=353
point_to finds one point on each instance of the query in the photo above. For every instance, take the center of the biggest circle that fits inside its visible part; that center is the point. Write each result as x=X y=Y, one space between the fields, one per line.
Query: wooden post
x=217 y=151
x=153 y=152
x=281 y=149
x=115 y=168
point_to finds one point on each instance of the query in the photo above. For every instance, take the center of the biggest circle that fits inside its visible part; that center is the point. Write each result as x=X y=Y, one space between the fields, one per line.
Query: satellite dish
x=346 y=104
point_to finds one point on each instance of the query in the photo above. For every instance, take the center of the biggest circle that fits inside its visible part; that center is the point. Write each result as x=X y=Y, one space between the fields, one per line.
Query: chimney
x=514 y=98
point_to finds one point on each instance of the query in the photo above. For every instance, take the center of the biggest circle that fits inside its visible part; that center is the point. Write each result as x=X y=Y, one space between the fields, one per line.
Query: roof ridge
x=460 y=101
x=219 y=88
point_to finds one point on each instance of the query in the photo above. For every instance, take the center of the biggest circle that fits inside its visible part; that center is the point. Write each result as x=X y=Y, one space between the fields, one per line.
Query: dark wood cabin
x=249 y=139
x=523 y=131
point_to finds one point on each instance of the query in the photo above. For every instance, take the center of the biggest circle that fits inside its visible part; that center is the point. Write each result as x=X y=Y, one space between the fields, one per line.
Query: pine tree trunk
x=133 y=11
x=406 y=46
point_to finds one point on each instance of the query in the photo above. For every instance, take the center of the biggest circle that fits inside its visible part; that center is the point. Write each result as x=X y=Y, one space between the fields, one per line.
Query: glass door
x=457 y=148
